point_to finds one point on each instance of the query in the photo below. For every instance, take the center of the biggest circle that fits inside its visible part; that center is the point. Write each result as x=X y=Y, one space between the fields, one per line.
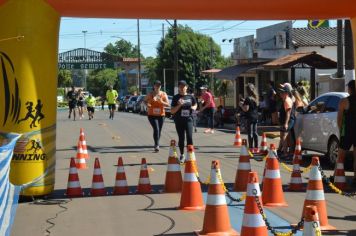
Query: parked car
x=122 y=102
x=130 y=103
x=137 y=106
x=317 y=125
x=168 y=109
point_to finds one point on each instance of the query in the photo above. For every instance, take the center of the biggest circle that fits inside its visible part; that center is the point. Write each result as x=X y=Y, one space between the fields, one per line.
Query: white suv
x=317 y=126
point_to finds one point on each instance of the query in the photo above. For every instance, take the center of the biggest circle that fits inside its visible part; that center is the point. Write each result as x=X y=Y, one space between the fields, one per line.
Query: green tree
x=64 y=78
x=122 y=48
x=150 y=64
x=196 y=52
x=99 y=80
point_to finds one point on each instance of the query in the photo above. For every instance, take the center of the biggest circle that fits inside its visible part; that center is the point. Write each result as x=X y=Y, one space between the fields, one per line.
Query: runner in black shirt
x=183 y=105
x=72 y=97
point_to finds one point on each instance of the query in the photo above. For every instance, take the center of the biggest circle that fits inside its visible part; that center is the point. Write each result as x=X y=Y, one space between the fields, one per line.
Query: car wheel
x=333 y=150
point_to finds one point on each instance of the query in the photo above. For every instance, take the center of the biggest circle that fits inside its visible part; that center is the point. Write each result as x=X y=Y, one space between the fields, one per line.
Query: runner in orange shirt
x=156 y=101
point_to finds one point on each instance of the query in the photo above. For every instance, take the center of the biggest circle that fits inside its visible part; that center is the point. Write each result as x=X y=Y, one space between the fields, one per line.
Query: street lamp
x=230 y=40
x=84 y=33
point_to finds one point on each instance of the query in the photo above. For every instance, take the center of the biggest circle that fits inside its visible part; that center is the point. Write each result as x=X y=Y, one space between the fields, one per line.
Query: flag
x=314 y=24
x=9 y=194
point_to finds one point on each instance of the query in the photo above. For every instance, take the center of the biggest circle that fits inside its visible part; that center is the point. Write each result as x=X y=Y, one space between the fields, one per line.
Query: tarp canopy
x=232 y=72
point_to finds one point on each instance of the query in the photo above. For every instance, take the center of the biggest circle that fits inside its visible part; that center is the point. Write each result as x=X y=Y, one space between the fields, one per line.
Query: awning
x=312 y=59
x=232 y=72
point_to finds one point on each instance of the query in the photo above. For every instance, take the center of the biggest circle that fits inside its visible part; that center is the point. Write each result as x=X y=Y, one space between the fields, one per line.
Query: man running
x=91 y=101
x=183 y=105
x=72 y=97
x=111 y=96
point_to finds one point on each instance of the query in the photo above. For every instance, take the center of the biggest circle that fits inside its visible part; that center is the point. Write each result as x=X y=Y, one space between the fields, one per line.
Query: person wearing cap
x=286 y=117
x=156 y=101
x=183 y=105
x=91 y=101
x=111 y=96
x=250 y=106
x=72 y=97
x=208 y=108
x=346 y=121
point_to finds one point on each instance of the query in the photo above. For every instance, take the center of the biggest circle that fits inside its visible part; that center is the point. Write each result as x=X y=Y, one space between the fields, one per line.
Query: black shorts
x=91 y=109
x=72 y=104
x=347 y=141
x=112 y=106
x=80 y=104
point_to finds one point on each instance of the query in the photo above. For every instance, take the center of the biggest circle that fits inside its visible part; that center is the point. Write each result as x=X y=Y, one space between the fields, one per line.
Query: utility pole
x=85 y=42
x=349 y=56
x=211 y=65
x=139 y=87
x=175 y=41
x=85 y=70
x=340 y=51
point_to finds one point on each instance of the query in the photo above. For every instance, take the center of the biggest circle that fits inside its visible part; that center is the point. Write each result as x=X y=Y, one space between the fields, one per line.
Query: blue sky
x=100 y=32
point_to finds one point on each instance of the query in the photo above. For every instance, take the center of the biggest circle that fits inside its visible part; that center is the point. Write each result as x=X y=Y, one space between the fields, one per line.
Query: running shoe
x=156 y=148
x=182 y=158
x=212 y=131
x=207 y=131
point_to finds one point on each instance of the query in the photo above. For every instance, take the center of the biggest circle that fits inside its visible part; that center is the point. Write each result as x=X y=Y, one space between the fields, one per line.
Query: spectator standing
x=111 y=96
x=346 y=118
x=286 y=118
x=183 y=105
x=272 y=103
x=208 y=108
x=72 y=97
x=250 y=106
x=156 y=101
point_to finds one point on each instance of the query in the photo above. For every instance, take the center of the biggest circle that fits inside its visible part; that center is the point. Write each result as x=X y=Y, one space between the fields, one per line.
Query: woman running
x=80 y=104
x=156 y=101
x=183 y=105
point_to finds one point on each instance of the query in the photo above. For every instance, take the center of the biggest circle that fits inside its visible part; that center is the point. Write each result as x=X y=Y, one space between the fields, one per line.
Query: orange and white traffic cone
x=73 y=186
x=311 y=222
x=144 y=185
x=238 y=140
x=121 y=186
x=80 y=163
x=339 y=175
x=243 y=169
x=272 y=192
x=264 y=148
x=252 y=222
x=83 y=143
x=315 y=195
x=191 y=197
x=216 y=217
x=97 y=187
x=173 y=182
x=298 y=150
x=296 y=182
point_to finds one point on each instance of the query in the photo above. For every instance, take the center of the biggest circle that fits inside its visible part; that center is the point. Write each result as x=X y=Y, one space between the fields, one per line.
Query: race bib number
x=157 y=111
x=185 y=113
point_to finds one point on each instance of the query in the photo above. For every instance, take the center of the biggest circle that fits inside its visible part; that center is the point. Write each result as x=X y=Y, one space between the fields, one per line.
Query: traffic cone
x=272 y=192
x=298 y=150
x=216 y=217
x=83 y=143
x=296 y=182
x=339 y=175
x=315 y=195
x=272 y=151
x=238 y=141
x=80 y=163
x=191 y=197
x=243 y=169
x=252 y=222
x=121 y=186
x=73 y=186
x=311 y=221
x=144 y=185
x=264 y=148
x=173 y=183
x=97 y=187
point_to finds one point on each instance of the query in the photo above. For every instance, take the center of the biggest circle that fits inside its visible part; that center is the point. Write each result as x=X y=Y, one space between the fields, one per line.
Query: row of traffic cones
x=259 y=151
x=216 y=217
x=98 y=187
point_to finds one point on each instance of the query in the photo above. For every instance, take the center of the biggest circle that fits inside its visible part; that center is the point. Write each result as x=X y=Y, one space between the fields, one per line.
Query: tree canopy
x=196 y=52
x=122 y=48
x=64 y=78
x=98 y=81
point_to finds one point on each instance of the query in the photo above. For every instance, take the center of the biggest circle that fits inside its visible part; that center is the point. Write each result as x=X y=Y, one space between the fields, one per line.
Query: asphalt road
x=130 y=136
